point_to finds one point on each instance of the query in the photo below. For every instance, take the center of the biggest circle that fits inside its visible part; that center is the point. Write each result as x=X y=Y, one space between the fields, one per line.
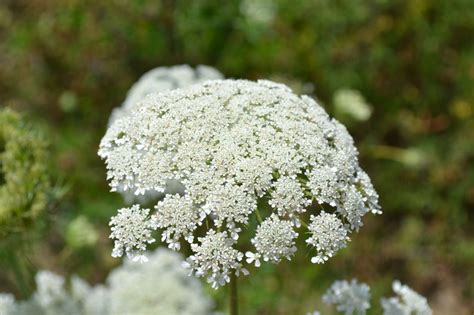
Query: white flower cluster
x=161 y=286
x=239 y=149
x=407 y=302
x=328 y=235
x=275 y=239
x=349 y=297
x=215 y=257
x=353 y=298
x=163 y=79
x=158 y=80
x=133 y=227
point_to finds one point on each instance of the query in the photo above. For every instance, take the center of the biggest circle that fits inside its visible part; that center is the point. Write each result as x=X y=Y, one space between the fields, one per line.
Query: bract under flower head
x=239 y=148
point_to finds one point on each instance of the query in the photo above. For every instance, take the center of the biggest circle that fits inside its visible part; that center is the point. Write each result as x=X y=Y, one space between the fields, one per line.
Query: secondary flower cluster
x=161 y=286
x=24 y=181
x=240 y=150
x=353 y=298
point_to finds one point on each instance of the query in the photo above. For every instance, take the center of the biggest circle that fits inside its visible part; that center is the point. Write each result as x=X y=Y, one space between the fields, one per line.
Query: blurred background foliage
x=399 y=74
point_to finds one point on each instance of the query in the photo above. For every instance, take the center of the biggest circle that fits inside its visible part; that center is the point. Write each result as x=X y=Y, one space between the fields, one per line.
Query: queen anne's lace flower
x=237 y=147
x=349 y=297
x=353 y=298
x=161 y=286
x=132 y=228
x=178 y=217
x=274 y=240
x=407 y=302
x=7 y=303
x=288 y=197
x=215 y=258
x=163 y=79
x=158 y=80
x=328 y=235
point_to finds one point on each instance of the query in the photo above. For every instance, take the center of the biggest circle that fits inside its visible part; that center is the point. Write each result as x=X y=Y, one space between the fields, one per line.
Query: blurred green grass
x=70 y=62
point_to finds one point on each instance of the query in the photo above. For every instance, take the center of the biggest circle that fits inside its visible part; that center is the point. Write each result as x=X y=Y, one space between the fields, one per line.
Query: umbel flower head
x=159 y=80
x=24 y=179
x=243 y=151
x=353 y=298
x=161 y=286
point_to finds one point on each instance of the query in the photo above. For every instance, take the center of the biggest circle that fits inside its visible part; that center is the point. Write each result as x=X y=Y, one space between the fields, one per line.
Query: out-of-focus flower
x=24 y=179
x=259 y=11
x=351 y=103
x=238 y=148
x=163 y=79
x=353 y=298
x=161 y=286
x=349 y=297
x=81 y=233
x=7 y=303
x=406 y=302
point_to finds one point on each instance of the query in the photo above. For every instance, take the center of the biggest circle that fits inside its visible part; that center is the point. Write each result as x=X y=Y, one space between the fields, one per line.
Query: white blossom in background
x=161 y=286
x=353 y=298
x=158 y=80
x=407 y=302
x=348 y=297
x=7 y=303
x=240 y=150
x=351 y=103
x=259 y=11
x=163 y=79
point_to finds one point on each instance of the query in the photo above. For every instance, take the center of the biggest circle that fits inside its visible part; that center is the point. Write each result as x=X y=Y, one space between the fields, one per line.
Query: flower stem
x=234 y=302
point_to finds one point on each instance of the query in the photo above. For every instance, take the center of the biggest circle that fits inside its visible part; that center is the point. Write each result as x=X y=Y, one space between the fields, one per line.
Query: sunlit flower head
x=250 y=156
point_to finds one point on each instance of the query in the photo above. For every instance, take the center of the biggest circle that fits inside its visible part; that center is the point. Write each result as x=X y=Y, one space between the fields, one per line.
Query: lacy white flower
x=406 y=303
x=133 y=228
x=178 y=217
x=7 y=303
x=354 y=298
x=349 y=297
x=161 y=286
x=237 y=148
x=163 y=79
x=158 y=80
x=215 y=258
x=275 y=239
x=328 y=235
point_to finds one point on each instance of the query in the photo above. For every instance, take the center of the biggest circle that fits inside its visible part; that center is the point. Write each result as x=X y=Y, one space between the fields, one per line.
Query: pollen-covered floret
x=235 y=147
x=328 y=235
x=274 y=240
x=349 y=297
x=132 y=228
x=215 y=258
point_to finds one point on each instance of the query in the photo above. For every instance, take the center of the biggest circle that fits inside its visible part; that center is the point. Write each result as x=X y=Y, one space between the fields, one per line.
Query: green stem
x=259 y=218
x=234 y=302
